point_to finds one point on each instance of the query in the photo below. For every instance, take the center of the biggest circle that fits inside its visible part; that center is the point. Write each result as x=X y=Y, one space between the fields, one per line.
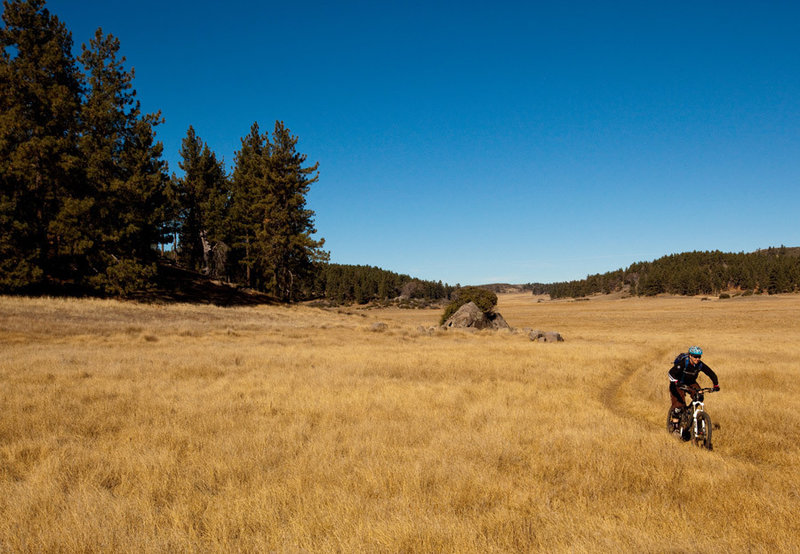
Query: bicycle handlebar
x=690 y=389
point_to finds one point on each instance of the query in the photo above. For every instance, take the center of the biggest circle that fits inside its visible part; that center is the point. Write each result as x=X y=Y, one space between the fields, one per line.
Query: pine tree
x=203 y=194
x=653 y=283
x=124 y=171
x=285 y=238
x=272 y=227
x=247 y=190
x=40 y=89
x=777 y=280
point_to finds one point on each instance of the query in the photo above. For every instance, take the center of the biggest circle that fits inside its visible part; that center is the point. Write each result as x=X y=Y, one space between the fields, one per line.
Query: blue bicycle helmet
x=695 y=351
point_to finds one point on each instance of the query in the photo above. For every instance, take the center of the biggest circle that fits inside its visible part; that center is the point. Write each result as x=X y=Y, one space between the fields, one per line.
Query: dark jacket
x=684 y=373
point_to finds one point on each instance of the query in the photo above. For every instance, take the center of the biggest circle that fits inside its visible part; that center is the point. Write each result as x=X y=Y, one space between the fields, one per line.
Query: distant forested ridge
x=362 y=284
x=774 y=270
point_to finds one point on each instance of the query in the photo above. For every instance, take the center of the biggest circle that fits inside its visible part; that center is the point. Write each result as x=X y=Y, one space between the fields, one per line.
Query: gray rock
x=497 y=322
x=470 y=316
x=552 y=336
x=545 y=336
x=467 y=316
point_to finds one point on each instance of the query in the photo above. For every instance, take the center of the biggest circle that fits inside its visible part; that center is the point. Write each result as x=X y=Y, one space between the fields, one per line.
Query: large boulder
x=497 y=321
x=470 y=316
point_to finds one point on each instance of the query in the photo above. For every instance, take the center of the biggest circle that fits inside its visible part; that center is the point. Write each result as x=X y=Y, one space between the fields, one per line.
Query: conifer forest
x=87 y=202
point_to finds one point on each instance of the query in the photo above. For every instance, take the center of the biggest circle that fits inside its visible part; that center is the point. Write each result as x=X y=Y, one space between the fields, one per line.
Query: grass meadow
x=184 y=428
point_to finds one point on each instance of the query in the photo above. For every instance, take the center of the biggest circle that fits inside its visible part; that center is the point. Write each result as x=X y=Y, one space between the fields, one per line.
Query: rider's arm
x=674 y=374
x=710 y=372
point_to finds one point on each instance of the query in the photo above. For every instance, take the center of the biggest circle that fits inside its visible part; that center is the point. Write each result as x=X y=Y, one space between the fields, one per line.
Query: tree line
x=774 y=270
x=85 y=198
x=361 y=284
x=250 y=227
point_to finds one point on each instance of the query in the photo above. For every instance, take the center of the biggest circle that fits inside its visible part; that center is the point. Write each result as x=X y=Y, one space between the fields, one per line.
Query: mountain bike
x=694 y=423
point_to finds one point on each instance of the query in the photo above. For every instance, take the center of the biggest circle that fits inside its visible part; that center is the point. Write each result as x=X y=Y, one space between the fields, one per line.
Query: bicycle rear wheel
x=671 y=427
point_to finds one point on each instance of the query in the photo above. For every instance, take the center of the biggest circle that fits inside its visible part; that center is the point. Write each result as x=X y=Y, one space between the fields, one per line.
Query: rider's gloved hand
x=716 y=387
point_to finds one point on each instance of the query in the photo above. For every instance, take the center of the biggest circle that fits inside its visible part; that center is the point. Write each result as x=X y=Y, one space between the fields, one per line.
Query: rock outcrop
x=470 y=316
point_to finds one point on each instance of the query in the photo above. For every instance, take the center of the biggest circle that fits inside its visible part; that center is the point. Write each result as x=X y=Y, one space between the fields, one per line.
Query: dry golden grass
x=128 y=427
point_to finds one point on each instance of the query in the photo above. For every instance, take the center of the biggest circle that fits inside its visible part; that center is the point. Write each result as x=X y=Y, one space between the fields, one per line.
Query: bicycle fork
x=697 y=410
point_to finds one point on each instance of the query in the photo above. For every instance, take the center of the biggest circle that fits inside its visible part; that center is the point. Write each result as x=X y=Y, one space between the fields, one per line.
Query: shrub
x=724 y=295
x=123 y=277
x=485 y=300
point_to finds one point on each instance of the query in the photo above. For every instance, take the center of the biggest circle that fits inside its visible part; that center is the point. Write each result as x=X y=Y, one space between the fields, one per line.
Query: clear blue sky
x=477 y=142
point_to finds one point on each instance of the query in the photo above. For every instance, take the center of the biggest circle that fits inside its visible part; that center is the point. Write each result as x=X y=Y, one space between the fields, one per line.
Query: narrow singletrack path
x=631 y=369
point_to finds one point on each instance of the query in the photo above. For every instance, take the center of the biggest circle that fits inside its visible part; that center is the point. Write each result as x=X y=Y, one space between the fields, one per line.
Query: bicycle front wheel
x=707 y=438
x=703 y=435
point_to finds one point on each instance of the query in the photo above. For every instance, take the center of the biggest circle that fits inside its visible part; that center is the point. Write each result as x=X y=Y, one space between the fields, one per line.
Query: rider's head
x=695 y=352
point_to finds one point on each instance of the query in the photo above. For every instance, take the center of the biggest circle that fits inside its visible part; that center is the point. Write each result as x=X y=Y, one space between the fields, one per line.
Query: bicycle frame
x=698 y=407
x=700 y=423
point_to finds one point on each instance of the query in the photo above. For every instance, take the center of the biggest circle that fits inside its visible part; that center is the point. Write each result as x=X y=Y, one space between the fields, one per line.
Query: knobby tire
x=669 y=421
x=704 y=439
x=707 y=438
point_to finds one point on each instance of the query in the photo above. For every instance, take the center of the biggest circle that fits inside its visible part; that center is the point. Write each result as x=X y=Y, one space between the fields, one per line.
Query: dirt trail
x=631 y=369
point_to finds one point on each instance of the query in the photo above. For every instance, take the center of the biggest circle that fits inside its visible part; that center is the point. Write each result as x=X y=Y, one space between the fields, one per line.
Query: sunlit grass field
x=152 y=428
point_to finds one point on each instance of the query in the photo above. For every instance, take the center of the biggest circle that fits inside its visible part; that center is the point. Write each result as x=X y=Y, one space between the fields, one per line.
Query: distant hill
x=505 y=288
x=784 y=250
x=772 y=270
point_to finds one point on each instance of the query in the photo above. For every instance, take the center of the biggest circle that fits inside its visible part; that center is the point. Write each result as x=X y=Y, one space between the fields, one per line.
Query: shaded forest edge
x=333 y=285
x=771 y=271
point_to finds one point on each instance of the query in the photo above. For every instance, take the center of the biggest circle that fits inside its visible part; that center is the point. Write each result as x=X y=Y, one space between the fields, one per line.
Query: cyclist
x=684 y=371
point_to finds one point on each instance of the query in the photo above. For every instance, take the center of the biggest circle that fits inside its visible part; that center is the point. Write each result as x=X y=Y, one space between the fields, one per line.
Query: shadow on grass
x=173 y=285
x=176 y=284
